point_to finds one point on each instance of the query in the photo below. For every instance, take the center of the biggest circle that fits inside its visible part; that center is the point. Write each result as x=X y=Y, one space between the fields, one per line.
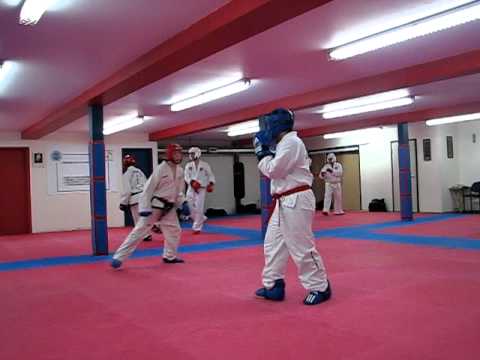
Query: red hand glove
x=210 y=187
x=195 y=185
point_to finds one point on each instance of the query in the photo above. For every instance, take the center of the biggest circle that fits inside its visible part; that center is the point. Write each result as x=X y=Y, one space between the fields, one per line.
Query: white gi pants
x=136 y=217
x=196 y=204
x=170 y=228
x=289 y=232
x=134 y=212
x=336 y=191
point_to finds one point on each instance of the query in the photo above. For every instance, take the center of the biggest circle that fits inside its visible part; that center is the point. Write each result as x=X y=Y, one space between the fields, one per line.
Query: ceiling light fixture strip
x=211 y=95
x=418 y=28
x=453 y=119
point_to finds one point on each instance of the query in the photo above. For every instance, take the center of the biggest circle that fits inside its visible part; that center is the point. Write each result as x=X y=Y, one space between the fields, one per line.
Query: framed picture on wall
x=450 y=147
x=38 y=159
x=427 y=150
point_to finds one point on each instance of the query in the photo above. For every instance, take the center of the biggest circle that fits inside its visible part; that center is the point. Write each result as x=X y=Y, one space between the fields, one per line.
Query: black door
x=143 y=158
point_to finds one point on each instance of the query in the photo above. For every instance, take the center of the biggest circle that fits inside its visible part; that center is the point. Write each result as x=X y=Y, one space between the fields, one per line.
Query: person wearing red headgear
x=163 y=192
x=133 y=181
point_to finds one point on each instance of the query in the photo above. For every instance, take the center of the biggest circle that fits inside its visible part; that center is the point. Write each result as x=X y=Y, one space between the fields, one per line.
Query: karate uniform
x=166 y=185
x=290 y=227
x=333 y=187
x=196 y=200
x=133 y=181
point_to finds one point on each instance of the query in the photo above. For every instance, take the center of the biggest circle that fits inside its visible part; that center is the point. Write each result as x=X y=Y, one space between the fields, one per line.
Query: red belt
x=292 y=191
x=275 y=197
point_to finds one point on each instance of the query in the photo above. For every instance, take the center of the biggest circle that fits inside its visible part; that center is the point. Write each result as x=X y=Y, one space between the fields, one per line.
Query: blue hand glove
x=264 y=137
x=261 y=150
x=145 y=213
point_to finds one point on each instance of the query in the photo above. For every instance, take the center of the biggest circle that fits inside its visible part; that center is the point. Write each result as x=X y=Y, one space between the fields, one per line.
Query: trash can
x=457 y=197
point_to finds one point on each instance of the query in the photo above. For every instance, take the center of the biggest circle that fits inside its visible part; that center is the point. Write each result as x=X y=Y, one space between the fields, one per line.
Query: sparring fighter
x=289 y=230
x=133 y=181
x=163 y=192
x=332 y=173
x=200 y=179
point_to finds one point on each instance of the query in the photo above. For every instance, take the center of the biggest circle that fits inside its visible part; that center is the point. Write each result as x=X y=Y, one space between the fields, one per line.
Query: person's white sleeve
x=143 y=179
x=338 y=170
x=211 y=177
x=187 y=174
x=147 y=194
x=126 y=190
x=181 y=195
x=281 y=165
x=323 y=172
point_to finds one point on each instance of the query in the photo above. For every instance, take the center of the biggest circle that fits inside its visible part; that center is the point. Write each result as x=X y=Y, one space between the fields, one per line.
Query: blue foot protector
x=116 y=263
x=276 y=293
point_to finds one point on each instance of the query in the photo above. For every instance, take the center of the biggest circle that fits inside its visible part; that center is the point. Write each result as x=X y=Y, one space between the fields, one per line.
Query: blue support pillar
x=266 y=202
x=98 y=193
x=406 y=210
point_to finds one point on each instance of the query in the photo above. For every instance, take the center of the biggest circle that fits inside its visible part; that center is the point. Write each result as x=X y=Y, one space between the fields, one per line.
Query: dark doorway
x=351 y=183
x=143 y=158
x=15 y=207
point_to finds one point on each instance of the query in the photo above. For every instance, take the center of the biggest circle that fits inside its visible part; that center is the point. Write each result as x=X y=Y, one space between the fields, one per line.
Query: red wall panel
x=15 y=215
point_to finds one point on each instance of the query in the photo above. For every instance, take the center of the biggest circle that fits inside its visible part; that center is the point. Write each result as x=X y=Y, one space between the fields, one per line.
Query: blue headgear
x=274 y=123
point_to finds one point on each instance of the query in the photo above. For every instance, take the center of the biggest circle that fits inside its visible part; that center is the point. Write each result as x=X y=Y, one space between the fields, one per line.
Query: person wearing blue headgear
x=283 y=158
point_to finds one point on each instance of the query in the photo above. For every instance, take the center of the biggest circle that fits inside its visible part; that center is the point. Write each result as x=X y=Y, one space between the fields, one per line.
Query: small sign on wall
x=38 y=160
x=427 y=150
x=450 y=147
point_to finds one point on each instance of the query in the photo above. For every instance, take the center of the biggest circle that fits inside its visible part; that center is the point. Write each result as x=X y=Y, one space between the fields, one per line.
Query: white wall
x=222 y=166
x=435 y=177
x=222 y=197
x=470 y=161
x=440 y=173
x=252 y=179
x=375 y=163
x=72 y=210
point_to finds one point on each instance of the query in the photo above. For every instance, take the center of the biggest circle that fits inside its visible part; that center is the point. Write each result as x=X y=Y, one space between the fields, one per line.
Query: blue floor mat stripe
x=251 y=238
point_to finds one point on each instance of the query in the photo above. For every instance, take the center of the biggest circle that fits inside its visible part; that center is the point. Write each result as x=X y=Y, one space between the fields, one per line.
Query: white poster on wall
x=69 y=170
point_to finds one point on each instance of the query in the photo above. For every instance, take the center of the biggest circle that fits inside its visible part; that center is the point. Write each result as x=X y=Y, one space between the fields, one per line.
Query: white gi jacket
x=133 y=181
x=334 y=177
x=162 y=184
x=203 y=174
x=290 y=168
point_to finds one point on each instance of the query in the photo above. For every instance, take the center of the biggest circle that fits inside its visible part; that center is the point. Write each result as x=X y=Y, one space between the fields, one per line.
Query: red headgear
x=171 y=149
x=128 y=160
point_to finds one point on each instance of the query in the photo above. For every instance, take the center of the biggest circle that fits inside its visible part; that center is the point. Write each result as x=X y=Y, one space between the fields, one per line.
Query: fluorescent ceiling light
x=453 y=119
x=365 y=100
x=370 y=132
x=11 y=3
x=215 y=94
x=421 y=27
x=32 y=11
x=248 y=127
x=369 y=108
x=8 y=75
x=204 y=86
x=122 y=123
